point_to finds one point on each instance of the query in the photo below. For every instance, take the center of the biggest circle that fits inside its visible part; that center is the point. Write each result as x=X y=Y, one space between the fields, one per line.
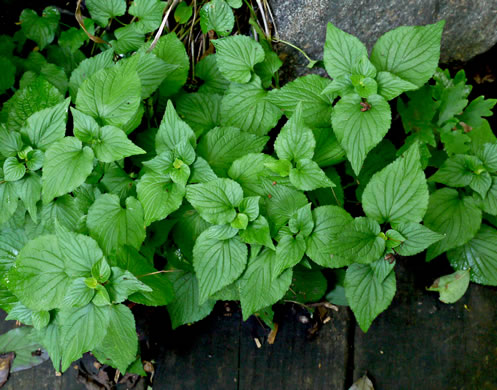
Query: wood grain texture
x=422 y=343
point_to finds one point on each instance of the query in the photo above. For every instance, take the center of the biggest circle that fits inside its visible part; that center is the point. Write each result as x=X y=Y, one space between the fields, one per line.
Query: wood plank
x=201 y=356
x=41 y=377
x=422 y=343
x=295 y=361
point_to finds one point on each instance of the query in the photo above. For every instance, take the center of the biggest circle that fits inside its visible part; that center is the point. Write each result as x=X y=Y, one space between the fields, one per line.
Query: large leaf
x=40 y=278
x=120 y=345
x=87 y=68
x=418 y=238
x=295 y=141
x=218 y=260
x=455 y=216
x=149 y=14
x=359 y=129
x=112 y=95
x=114 y=226
x=215 y=200
x=81 y=330
x=38 y=95
x=247 y=107
x=172 y=131
x=258 y=286
x=358 y=241
x=67 y=165
x=328 y=222
x=307 y=90
x=40 y=29
x=236 y=57
x=479 y=256
x=409 y=52
x=341 y=52
x=172 y=51
x=398 y=193
x=217 y=15
x=200 y=110
x=186 y=308
x=11 y=243
x=47 y=126
x=159 y=196
x=223 y=145
x=367 y=295
x=102 y=11
x=8 y=200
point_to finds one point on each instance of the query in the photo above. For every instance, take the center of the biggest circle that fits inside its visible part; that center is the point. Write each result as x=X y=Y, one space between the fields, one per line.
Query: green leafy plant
x=140 y=156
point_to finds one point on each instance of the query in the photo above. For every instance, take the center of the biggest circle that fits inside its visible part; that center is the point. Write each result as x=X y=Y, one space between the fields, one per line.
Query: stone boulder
x=470 y=29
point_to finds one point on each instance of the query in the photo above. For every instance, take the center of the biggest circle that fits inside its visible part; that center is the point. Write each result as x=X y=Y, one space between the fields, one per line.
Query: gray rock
x=470 y=29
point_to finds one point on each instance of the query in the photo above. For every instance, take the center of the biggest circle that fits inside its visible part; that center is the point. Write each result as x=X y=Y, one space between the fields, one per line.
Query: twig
x=162 y=25
x=263 y=14
x=158 y=272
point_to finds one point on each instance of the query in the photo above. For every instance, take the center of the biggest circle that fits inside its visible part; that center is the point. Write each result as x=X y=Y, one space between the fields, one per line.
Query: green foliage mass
x=138 y=152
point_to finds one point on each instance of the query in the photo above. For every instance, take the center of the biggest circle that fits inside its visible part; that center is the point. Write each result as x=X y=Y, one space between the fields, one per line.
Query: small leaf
x=172 y=51
x=257 y=232
x=307 y=176
x=122 y=284
x=451 y=287
x=111 y=144
x=289 y=251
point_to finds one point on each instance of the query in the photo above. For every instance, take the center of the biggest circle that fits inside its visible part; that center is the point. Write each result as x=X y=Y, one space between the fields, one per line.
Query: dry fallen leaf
x=363 y=383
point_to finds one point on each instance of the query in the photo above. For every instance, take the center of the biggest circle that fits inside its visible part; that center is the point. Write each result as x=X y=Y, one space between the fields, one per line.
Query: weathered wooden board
x=204 y=355
x=422 y=343
x=296 y=360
